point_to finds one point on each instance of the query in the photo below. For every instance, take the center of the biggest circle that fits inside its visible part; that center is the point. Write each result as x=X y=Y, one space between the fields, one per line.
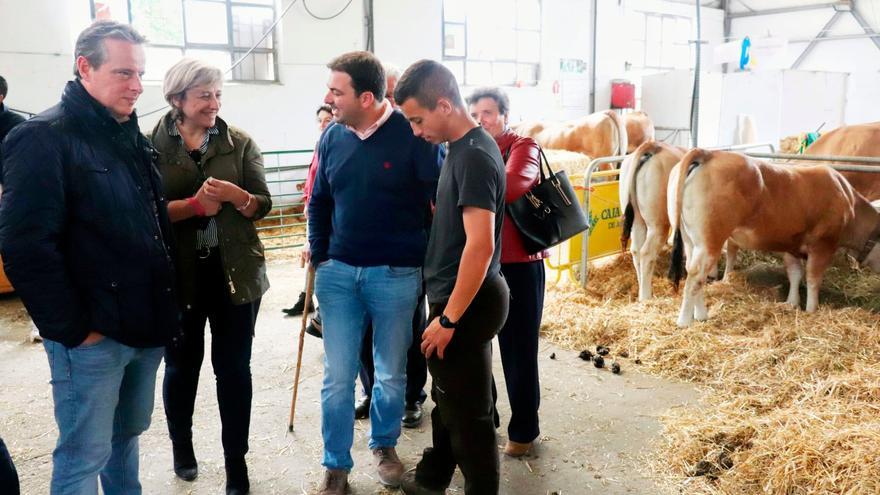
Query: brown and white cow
x=853 y=140
x=803 y=212
x=639 y=129
x=643 y=179
x=596 y=135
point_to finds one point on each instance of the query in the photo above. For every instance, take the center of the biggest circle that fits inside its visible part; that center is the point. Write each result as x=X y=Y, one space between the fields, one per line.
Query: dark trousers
x=232 y=330
x=463 y=422
x=518 y=343
x=416 y=368
x=8 y=474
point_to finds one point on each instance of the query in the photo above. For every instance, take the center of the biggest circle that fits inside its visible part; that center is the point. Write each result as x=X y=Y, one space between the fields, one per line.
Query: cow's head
x=872 y=255
x=872 y=261
x=869 y=255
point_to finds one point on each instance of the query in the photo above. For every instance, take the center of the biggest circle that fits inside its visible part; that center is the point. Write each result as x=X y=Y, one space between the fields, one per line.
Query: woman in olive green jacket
x=214 y=181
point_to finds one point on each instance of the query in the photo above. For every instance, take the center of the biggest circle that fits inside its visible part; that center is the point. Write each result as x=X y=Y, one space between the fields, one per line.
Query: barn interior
x=759 y=398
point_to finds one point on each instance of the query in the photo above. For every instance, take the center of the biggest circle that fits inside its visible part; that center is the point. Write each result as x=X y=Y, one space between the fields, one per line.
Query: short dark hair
x=365 y=70
x=4 y=88
x=323 y=108
x=493 y=92
x=427 y=81
x=90 y=43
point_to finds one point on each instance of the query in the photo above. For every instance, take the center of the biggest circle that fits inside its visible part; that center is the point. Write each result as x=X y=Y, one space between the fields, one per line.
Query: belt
x=204 y=253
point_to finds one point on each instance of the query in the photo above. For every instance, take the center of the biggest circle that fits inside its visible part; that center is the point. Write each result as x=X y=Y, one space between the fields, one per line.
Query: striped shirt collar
x=212 y=131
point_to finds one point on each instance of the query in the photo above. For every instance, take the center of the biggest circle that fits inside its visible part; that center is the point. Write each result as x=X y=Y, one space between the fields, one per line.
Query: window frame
x=235 y=52
x=464 y=59
x=643 y=63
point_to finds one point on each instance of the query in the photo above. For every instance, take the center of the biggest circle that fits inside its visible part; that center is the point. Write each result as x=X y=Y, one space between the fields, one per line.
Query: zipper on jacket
x=220 y=236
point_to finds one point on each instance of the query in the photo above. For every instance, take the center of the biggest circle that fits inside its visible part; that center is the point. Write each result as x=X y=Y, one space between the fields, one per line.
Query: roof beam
x=815 y=41
x=782 y=10
x=865 y=26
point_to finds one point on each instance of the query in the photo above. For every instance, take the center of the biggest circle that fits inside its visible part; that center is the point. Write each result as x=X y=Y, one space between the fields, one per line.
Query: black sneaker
x=300 y=305
x=314 y=328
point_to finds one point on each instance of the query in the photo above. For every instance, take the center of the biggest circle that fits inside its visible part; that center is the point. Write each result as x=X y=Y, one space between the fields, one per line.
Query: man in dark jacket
x=84 y=236
x=8 y=118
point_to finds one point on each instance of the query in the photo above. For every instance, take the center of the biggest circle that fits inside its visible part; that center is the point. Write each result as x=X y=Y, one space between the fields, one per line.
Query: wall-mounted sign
x=572 y=66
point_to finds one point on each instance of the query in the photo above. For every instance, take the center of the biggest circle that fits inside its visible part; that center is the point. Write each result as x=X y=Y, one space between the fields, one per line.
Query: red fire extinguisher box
x=623 y=94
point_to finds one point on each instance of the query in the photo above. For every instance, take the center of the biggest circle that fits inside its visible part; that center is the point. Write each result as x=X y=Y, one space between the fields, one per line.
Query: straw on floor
x=792 y=400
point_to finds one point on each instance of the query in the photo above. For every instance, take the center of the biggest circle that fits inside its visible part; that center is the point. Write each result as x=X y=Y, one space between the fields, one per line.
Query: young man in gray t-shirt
x=469 y=298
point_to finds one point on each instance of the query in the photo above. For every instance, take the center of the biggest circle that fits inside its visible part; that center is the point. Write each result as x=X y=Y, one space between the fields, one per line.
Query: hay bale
x=790 y=144
x=792 y=399
x=569 y=161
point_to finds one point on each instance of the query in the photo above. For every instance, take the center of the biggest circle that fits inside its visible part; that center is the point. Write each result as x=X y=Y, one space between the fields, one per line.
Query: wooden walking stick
x=310 y=285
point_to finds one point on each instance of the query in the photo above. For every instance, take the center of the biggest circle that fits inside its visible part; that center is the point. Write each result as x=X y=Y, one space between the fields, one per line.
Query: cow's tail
x=688 y=164
x=620 y=127
x=629 y=216
x=628 y=199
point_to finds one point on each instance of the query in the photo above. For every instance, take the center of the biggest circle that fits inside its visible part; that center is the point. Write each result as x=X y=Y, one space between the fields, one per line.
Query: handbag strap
x=542 y=162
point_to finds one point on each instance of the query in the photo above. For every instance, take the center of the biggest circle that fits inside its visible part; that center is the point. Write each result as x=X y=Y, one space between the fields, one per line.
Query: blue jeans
x=350 y=297
x=103 y=396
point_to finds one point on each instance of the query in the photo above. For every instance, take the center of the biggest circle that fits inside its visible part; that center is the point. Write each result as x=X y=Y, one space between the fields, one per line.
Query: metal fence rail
x=588 y=180
x=285 y=171
x=827 y=158
x=739 y=147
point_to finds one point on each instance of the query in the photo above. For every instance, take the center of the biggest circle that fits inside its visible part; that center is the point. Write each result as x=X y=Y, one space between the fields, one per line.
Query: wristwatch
x=446 y=323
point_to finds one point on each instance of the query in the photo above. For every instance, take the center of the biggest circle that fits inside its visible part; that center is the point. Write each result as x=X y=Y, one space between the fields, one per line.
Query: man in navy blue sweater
x=367 y=234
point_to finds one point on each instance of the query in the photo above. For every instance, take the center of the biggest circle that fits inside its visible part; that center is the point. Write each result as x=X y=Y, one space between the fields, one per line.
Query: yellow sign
x=606 y=225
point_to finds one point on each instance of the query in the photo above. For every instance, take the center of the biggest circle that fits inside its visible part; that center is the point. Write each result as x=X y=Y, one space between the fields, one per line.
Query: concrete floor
x=596 y=427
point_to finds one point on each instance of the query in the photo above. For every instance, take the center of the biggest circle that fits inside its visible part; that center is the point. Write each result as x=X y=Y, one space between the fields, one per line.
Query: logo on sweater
x=387 y=165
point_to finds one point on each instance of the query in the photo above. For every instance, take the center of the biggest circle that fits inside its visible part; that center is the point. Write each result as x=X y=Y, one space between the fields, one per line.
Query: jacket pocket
x=95 y=191
x=103 y=307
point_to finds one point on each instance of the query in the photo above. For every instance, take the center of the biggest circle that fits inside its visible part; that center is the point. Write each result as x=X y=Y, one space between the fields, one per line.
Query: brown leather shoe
x=388 y=466
x=335 y=482
x=516 y=449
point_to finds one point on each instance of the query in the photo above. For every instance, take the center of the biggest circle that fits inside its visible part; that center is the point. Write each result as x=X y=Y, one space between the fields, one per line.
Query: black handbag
x=549 y=213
